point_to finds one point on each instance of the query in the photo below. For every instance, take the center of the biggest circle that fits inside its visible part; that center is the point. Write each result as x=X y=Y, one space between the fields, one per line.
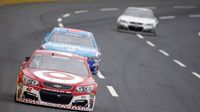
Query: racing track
x=149 y=74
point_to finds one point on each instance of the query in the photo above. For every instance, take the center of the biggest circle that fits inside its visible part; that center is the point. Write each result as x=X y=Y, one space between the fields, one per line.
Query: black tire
x=118 y=27
x=15 y=98
x=153 y=32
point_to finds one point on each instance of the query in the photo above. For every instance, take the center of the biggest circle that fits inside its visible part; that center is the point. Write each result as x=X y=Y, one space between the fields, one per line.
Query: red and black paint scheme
x=56 y=88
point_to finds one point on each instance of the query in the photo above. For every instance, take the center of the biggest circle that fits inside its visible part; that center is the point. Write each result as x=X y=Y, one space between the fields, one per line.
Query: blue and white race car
x=74 y=41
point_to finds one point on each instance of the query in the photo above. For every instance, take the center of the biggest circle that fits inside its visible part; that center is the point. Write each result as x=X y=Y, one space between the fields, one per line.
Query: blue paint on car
x=89 y=50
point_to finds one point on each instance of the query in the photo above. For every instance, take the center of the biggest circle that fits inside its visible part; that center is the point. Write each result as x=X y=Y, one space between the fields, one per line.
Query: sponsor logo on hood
x=58 y=77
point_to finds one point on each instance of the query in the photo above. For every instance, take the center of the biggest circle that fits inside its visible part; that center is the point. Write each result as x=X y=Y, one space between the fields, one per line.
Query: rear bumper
x=31 y=95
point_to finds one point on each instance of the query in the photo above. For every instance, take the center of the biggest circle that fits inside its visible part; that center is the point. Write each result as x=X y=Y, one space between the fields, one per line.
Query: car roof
x=73 y=31
x=56 y=53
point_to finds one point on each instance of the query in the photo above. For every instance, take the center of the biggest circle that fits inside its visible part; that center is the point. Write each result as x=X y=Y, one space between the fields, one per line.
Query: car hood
x=54 y=76
x=138 y=19
x=79 y=50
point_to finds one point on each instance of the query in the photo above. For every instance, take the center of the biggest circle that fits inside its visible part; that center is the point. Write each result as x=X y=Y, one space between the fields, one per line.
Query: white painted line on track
x=80 y=11
x=163 y=52
x=196 y=74
x=100 y=75
x=167 y=17
x=66 y=15
x=112 y=91
x=179 y=63
x=184 y=7
x=150 y=43
x=199 y=33
x=60 y=25
x=140 y=36
x=194 y=15
x=109 y=9
x=59 y=20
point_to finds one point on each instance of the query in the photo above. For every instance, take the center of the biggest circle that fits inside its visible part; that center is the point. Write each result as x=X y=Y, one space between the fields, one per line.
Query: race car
x=74 y=41
x=138 y=20
x=56 y=79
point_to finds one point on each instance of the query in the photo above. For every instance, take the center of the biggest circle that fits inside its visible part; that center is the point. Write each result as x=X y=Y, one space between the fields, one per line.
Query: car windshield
x=76 y=39
x=59 y=63
x=138 y=13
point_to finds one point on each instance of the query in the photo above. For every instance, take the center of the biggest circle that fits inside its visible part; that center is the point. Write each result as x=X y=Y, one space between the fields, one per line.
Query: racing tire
x=153 y=32
x=118 y=27
x=15 y=97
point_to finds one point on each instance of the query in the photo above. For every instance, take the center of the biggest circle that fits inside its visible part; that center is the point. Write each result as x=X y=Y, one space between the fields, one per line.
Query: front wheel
x=118 y=27
x=15 y=97
x=153 y=32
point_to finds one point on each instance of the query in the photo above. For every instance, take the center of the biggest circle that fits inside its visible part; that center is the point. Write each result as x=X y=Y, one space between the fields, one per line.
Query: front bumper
x=134 y=27
x=45 y=97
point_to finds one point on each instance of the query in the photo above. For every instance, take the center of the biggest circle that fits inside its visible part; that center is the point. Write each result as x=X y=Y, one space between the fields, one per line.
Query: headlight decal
x=149 y=24
x=86 y=89
x=30 y=81
x=123 y=21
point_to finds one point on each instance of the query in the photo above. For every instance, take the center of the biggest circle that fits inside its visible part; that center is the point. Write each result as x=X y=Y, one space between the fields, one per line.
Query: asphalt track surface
x=149 y=74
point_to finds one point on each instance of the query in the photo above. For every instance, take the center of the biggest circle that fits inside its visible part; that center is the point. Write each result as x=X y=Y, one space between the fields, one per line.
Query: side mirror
x=27 y=59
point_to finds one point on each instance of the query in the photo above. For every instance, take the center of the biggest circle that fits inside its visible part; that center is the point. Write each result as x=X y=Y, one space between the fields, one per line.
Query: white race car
x=137 y=19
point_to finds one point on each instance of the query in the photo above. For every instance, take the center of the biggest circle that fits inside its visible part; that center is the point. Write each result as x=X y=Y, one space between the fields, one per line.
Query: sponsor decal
x=51 y=104
x=71 y=47
x=19 y=92
x=57 y=77
x=61 y=57
x=20 y=85
x=26 y=100
x=78 y=108
x=60 y=91
x=57 y=86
